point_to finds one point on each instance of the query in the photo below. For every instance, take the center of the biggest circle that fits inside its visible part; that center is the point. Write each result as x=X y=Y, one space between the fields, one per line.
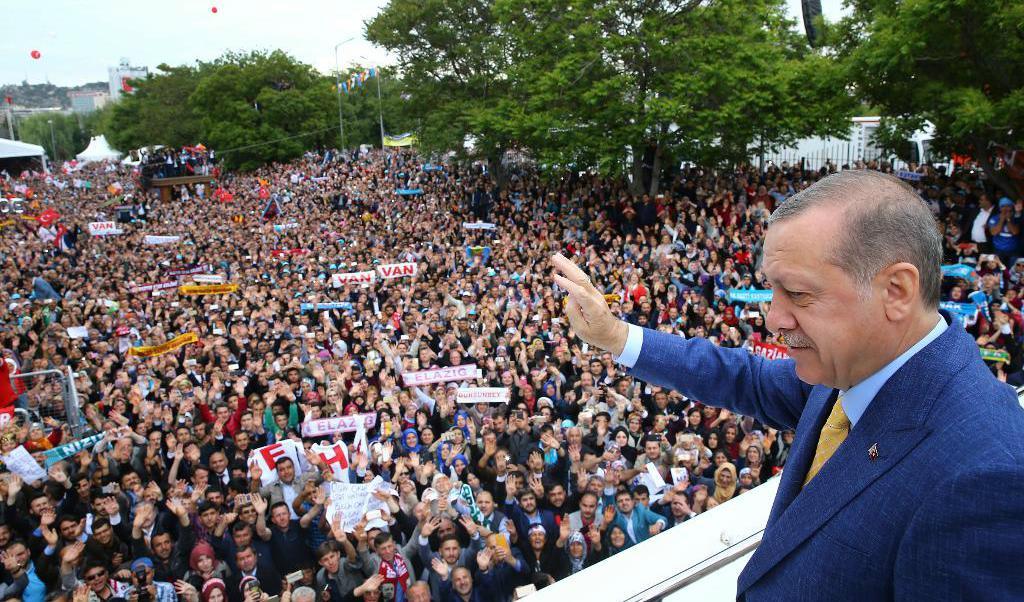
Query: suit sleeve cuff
x=631 y=351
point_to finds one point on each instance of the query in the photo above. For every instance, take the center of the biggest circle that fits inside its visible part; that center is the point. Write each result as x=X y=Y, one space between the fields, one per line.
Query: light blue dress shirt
x=855 y=399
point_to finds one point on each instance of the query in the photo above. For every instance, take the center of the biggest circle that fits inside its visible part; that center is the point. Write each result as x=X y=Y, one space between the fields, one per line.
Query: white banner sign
x=338 y=424
x=104 y=229
x=267 y=457
x=78 y=332
x=353 y=501
x=340 y=280
x=151 y=239
x=397 y=270
x=146 y=288
x=441 y=375
x=335 y=457
x=479 y=226
x=208 y=278
x=482 y=395
x=21 y=463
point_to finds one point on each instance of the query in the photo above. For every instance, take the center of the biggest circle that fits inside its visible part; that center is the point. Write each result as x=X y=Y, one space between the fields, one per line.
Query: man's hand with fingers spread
x=587 y=309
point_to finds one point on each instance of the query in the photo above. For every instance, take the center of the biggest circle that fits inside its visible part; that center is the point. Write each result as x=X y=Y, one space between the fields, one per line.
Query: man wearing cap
x=884 y=394
x=1004 y=230
x=142 y=581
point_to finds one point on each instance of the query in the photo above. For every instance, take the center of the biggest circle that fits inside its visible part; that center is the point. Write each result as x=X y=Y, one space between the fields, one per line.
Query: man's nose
x=780 y=317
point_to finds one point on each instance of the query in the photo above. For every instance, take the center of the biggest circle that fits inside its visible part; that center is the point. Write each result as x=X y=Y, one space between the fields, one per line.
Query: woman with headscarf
x=621 y=438
x=204 y=566
x=459 y=463
x=753 y=459
x=542 y=557
x=214 y=590
x=615 y=541
x=576 y=550
x=410 y=442
x=725 y=482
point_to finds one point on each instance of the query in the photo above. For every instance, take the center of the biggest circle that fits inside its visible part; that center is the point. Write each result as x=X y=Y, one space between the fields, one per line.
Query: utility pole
x=53 y=141
x=380 y=109
x=337 y=85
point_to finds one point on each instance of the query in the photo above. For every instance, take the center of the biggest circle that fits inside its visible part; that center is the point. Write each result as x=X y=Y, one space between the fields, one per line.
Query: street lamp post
x=53 y=140
x=337 y=85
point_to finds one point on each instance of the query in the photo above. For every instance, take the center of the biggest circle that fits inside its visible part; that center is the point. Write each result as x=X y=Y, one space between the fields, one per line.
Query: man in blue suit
x=906 y=478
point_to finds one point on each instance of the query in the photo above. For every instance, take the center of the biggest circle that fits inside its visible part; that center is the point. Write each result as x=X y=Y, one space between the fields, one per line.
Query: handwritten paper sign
x=441 y=375
x=479 y=226
x=21 y=463
x=482 y=395
x=353 y=500
x=338 y=424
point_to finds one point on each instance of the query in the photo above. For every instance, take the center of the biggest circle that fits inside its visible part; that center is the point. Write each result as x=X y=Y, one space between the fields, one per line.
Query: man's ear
x=900 y=288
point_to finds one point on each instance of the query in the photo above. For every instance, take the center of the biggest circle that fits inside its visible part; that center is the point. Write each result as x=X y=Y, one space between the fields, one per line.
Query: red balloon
x=214 y=10
x=36 y=54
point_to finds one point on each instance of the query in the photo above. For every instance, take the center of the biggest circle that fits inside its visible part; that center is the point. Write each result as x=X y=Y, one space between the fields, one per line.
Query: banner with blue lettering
x=325 y=306
x=962 y=311
x=409 y=191
x=959 y=270
x=750 y=295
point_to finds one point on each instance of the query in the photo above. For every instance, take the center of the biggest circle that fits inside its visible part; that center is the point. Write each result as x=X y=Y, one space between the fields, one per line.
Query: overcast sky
x=80 y=39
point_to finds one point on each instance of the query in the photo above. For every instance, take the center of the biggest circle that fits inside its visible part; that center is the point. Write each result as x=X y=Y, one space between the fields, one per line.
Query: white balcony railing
x=698 y=560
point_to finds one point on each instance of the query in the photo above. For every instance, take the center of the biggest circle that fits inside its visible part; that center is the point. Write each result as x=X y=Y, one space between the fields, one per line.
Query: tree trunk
x=996 y=177
x=637 y=185
x=497 y=170
x=656 y=171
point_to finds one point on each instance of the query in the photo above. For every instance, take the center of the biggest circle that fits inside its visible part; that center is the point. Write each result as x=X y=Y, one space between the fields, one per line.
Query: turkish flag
x=48 y=217
x=7 y=394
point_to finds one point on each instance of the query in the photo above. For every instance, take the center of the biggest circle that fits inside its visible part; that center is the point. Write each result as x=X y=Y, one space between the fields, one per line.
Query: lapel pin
x=873 y=452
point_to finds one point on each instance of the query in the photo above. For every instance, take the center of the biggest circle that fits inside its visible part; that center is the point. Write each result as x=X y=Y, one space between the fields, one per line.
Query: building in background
x=121 y=77
x=87 y=102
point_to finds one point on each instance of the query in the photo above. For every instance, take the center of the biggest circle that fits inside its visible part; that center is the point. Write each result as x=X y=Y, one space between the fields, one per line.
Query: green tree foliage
x=455 y=64
x=158 y=112
x=71 y=132
x=670 y=80
x=623 y=86
x=253 y=108
x=958 y=64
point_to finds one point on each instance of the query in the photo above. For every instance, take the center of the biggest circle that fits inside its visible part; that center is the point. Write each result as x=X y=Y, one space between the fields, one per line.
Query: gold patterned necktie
x=837 y=427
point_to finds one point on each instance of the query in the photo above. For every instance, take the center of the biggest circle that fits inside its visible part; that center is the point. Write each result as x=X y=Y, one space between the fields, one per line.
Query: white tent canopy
x=98 y=150
x=12 y=149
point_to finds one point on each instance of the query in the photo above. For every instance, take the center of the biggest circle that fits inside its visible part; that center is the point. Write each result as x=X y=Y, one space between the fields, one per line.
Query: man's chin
x=807 y=368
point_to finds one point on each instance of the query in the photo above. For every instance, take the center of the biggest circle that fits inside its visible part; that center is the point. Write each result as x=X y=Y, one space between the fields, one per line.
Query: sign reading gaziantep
x=441 y=375
x=482 y=395
x=772 y=352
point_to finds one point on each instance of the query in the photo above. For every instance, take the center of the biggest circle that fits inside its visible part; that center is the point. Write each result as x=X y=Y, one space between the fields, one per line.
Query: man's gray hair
x=304 y=594
x=884 y=222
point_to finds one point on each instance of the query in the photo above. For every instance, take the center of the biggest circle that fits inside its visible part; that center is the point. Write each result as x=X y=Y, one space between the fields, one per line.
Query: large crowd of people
x=157 y=493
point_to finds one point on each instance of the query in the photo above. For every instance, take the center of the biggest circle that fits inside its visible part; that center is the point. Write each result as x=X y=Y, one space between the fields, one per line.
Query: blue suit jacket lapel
x=894 y=421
